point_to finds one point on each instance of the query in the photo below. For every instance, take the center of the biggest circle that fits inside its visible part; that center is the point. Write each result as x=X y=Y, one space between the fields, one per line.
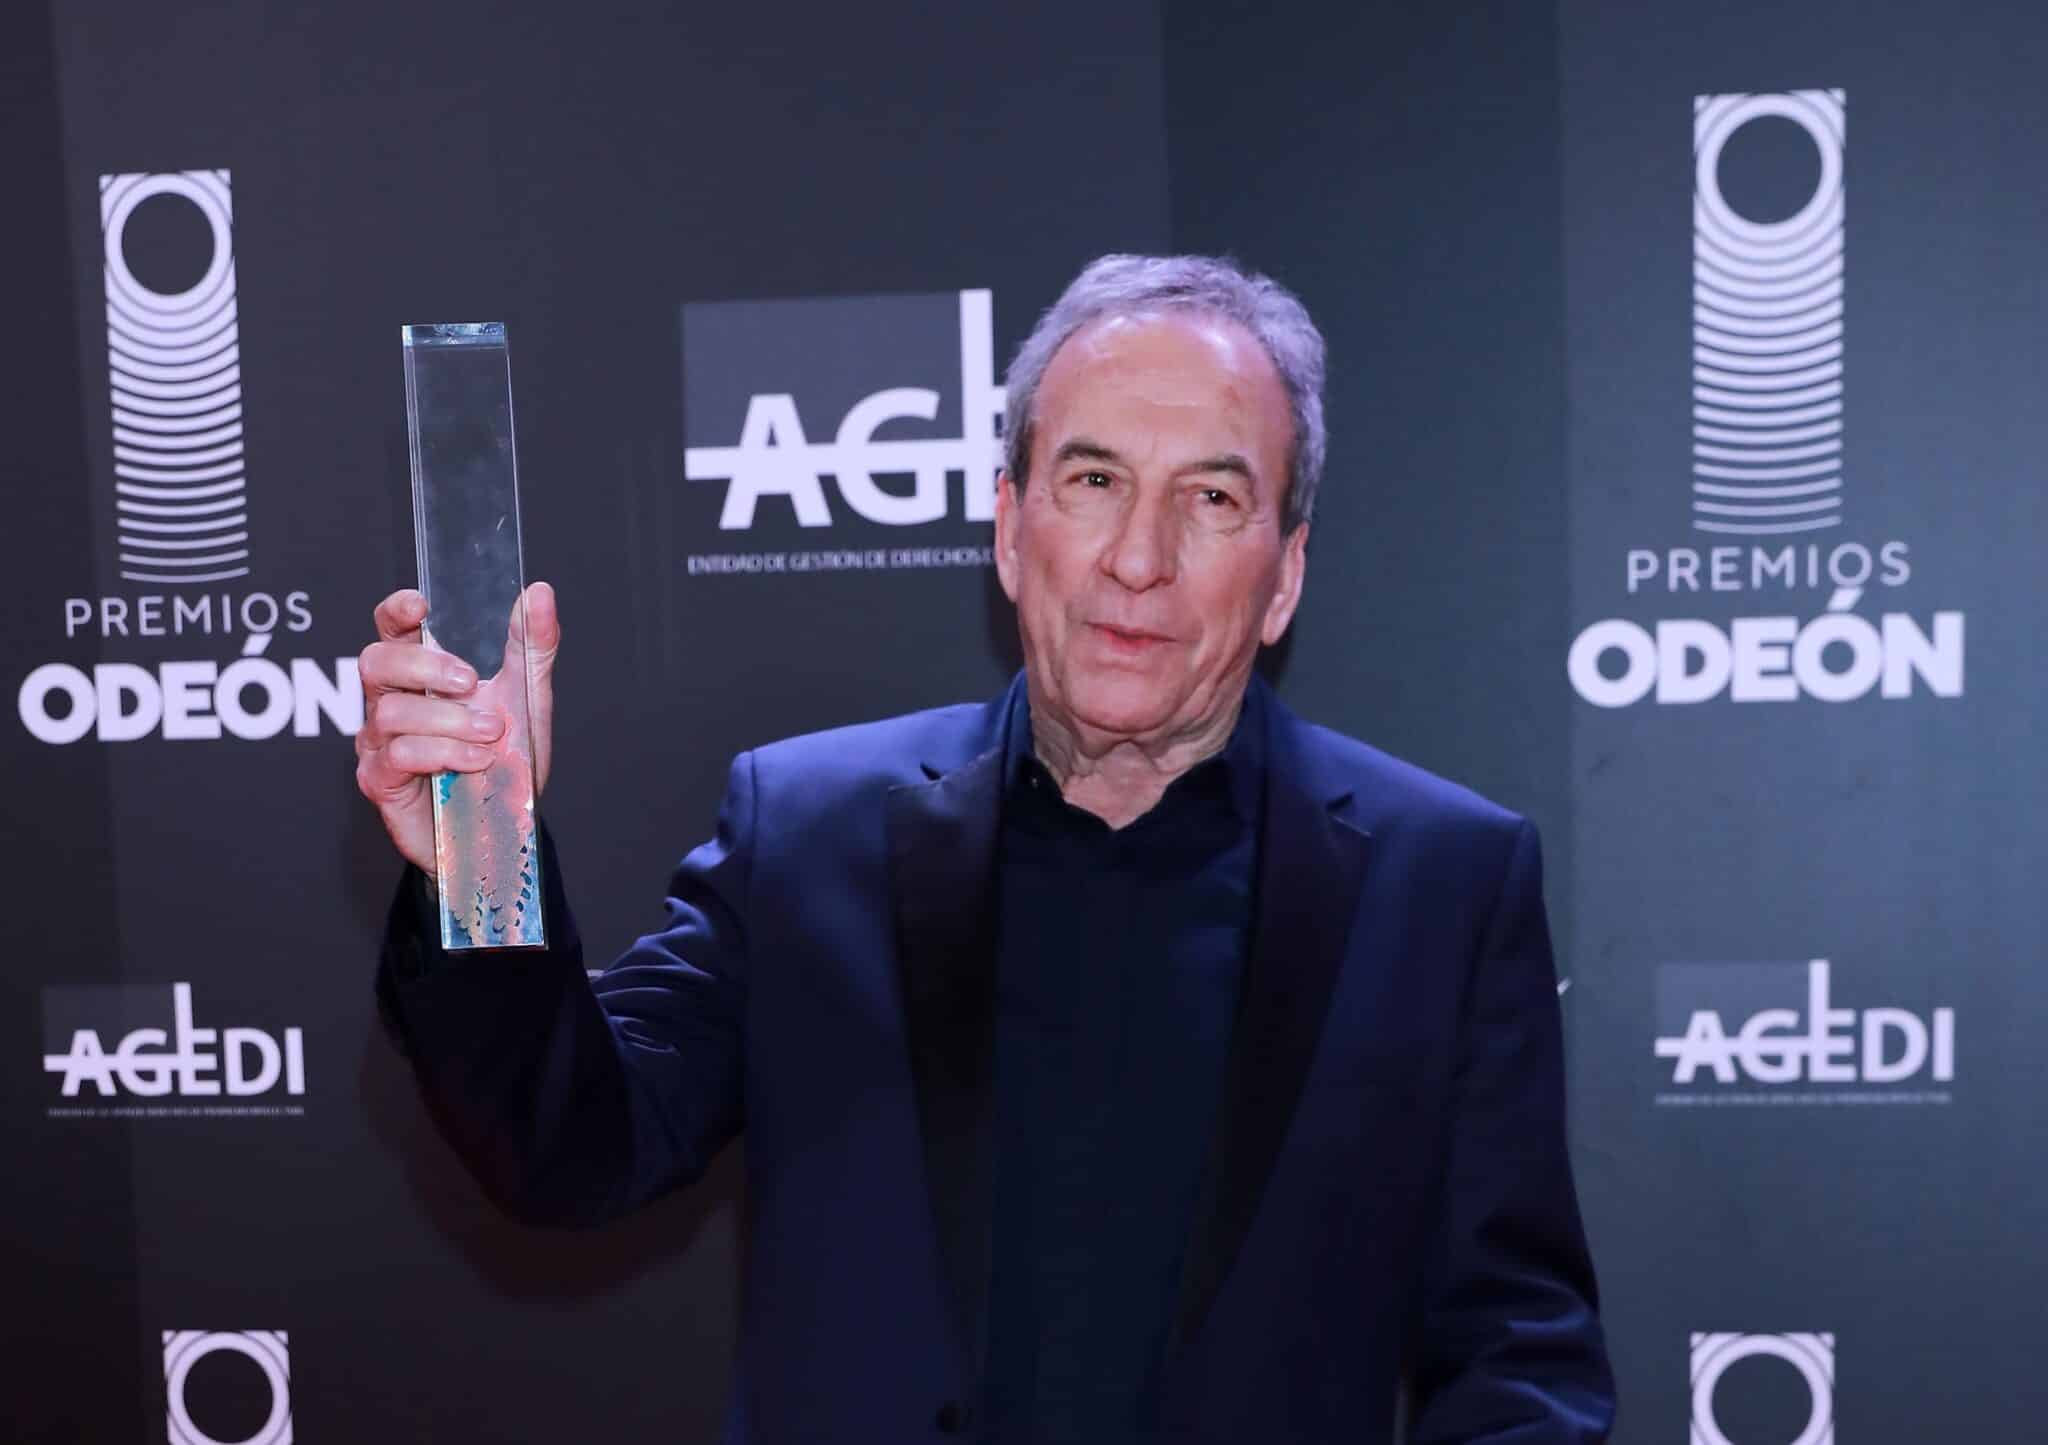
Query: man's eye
x=1217 y=497
x=1094 y=479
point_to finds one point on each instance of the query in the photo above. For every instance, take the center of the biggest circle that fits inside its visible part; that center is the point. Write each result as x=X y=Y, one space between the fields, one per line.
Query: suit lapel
x=1311 y=864
x=942 y=854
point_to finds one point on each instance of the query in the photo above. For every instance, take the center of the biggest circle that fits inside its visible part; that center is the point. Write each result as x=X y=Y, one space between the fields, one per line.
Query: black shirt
x=1119 y=957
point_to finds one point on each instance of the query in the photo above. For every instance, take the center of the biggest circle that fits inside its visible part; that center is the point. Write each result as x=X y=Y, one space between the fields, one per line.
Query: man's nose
x=1143 y=552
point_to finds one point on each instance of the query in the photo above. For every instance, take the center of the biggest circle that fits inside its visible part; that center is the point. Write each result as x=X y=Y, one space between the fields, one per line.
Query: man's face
x=1144 y=553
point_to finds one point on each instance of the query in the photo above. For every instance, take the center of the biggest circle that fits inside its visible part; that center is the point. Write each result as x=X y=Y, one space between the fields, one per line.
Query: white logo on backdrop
x=175 y=365
x=1767 y=332
x=776 y=458
x=267 y=1349
x=1838 y=656
x=182 y=520
x=250 y=697
x=1813 y=1356
x=1824 y=1045
x=1767 y=459
x=184 y=1061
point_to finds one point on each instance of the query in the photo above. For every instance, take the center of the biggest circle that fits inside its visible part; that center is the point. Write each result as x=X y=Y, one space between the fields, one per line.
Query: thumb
x=535 y=633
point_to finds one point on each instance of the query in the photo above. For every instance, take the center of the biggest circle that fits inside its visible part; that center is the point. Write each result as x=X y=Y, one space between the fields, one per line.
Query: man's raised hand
x=408 y=736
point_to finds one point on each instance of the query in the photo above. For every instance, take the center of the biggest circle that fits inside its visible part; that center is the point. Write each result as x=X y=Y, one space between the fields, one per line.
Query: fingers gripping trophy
x=458 y=698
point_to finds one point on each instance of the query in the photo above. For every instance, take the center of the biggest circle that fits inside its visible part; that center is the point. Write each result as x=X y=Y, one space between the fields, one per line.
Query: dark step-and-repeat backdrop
x=1687 y=409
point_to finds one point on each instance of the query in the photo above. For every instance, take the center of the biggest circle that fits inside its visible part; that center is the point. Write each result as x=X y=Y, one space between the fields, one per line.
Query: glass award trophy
x=465 y=499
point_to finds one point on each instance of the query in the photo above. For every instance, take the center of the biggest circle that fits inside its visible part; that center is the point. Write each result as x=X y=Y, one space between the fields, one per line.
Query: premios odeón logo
x=181 y=555
x=1770 y=496
x=904 y=388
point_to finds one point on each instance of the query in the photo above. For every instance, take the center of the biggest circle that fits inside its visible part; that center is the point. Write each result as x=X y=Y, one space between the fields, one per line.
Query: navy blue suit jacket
x=1388 y=1196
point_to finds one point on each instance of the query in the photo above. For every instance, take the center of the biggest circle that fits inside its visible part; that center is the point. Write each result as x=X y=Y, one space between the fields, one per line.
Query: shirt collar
x=1237 y=773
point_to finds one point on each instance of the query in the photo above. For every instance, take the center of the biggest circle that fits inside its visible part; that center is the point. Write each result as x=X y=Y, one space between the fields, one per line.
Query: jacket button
x=954 y=1418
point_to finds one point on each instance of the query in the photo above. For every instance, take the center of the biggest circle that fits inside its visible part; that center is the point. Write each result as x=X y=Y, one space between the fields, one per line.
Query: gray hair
x=1118 y=285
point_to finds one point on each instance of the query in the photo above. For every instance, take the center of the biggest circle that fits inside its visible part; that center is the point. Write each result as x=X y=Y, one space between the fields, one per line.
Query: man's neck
x=1120 y=780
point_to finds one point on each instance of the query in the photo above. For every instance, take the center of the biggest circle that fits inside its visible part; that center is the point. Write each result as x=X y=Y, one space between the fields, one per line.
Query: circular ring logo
x=267 y=1348
x=189 y=310
x=1812 y=1355
x=1820 y=116
x=174 y=367
x=1767 y=331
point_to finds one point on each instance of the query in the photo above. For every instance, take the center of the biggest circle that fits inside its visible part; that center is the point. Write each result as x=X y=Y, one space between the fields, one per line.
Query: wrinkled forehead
x=1166 y=364
x=1162 y=333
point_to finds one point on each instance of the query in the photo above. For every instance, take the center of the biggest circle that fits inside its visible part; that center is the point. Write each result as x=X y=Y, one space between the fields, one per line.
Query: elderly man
x=1121 y=1059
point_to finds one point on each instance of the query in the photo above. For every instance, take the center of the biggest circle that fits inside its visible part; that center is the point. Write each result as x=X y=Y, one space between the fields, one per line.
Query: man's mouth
x=1132 y=637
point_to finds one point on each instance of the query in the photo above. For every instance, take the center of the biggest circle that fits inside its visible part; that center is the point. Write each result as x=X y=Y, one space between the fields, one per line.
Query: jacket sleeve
x=575 y=1099
x=1509 y=1345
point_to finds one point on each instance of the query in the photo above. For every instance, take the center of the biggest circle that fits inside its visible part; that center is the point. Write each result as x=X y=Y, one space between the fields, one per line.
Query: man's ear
x=1287 y=596
x=1007 y=503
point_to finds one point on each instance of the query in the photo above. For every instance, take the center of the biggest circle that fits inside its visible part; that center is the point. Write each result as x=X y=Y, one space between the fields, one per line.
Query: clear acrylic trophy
x=465 y=499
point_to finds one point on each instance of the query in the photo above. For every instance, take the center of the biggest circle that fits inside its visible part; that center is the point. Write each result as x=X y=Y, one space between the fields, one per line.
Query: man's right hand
x=408 y=736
